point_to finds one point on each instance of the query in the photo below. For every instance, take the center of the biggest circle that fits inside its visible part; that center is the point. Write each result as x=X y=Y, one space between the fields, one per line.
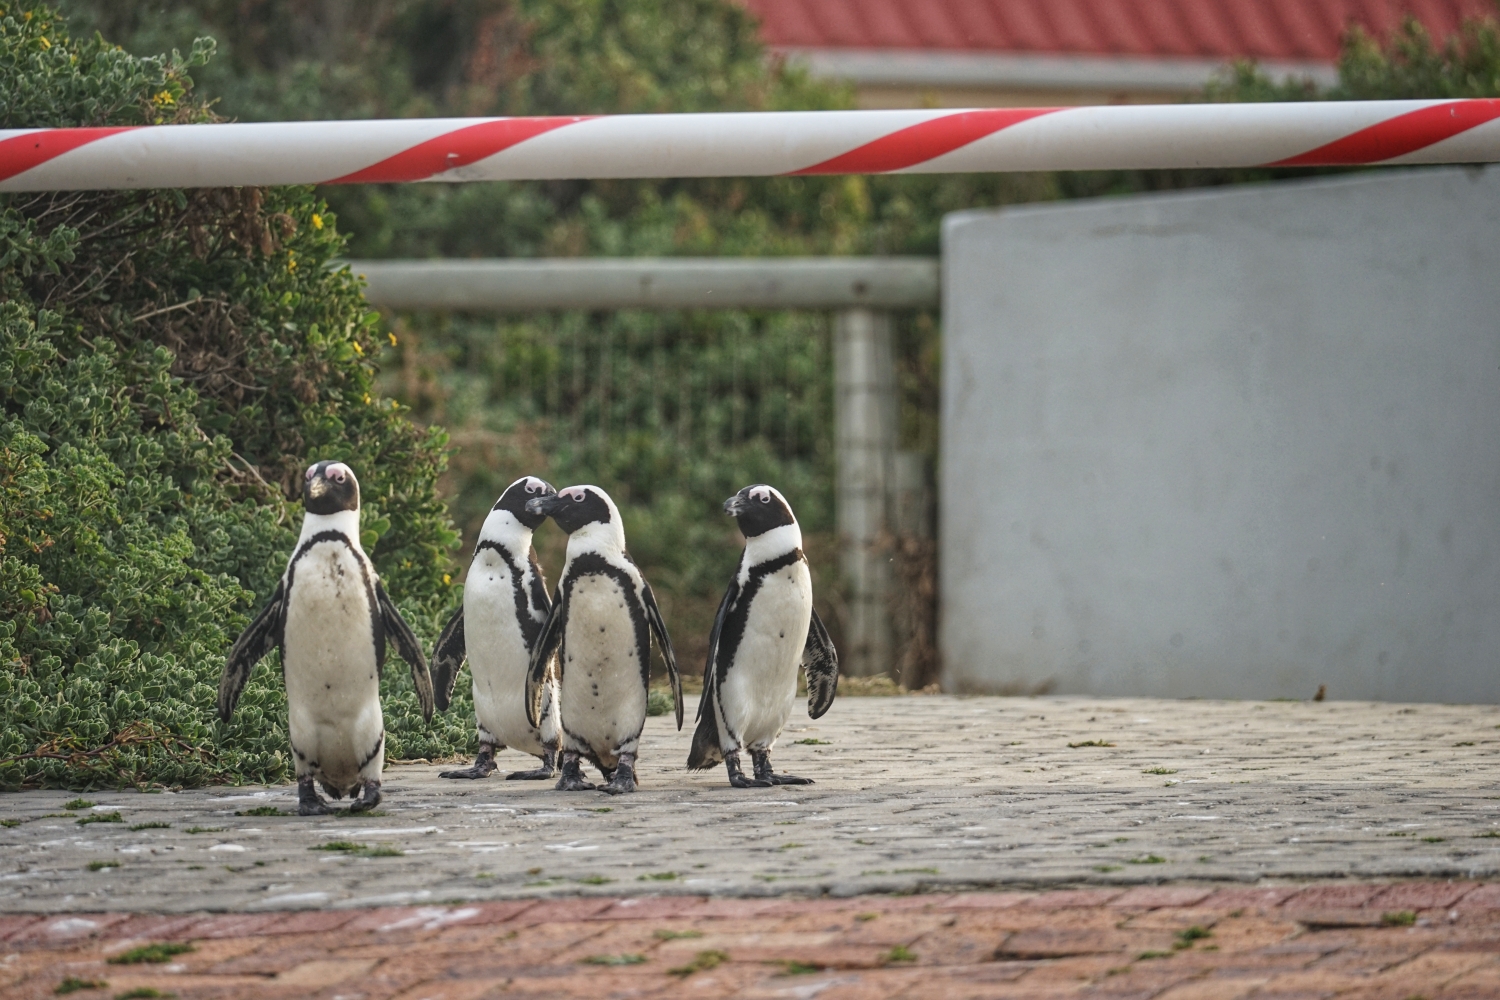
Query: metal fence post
x=865 y=445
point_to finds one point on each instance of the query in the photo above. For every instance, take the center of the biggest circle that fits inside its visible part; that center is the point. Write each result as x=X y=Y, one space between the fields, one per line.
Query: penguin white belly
x=497 y=653
x=761 y=684
x=603 y=698
x=332 y=685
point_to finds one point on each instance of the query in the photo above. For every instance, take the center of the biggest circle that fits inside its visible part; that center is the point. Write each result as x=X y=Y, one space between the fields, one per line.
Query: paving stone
x=652 y=908
x=153 y=927
x=1287 y=820
x=66 y=928
x=1285 y=792
x=1249 y=899
x=11 y=924
x=1480 y=899
x=233 y=925
x=1155 y=897
x=1325 y=898
x=1080 y=899
x=1059 y=951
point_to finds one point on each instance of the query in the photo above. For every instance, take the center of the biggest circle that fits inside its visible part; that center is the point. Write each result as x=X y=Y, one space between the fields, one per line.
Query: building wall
x=1227 y=444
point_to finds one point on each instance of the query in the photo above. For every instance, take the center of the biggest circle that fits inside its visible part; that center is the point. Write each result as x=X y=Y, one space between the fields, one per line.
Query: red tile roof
x=1198 y=29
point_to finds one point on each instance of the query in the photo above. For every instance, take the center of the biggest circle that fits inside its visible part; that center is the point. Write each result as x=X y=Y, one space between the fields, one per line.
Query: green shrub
x=169 y=363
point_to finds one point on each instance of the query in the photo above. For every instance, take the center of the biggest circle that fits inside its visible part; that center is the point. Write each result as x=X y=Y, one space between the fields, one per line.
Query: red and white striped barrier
x=753 y=144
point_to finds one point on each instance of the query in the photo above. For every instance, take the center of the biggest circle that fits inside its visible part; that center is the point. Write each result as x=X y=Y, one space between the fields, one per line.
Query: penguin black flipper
x=706 y=751
x=259 y=638
x=820 y=662
x=653 y=618
x=447 y=659
x=400 y=633
x=541 y=655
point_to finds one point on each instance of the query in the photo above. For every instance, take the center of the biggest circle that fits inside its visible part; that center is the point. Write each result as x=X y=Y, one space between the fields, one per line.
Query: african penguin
x=330 y=617
x=765 y=628
x=603 y=616
x=505 y=606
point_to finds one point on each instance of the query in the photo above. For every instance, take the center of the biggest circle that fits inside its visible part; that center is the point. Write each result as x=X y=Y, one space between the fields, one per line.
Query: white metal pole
x=749 y=144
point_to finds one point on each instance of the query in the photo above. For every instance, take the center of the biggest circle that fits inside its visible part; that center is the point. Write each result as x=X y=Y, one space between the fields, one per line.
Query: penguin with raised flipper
x=602 y=619
x=765 y=628
x=331 y=618
x=505 y=606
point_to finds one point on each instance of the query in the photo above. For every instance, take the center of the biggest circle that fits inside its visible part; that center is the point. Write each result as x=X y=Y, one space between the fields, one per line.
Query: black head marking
x=329 y=487
x=758 y=509
x=574 y=507
x=521 y=492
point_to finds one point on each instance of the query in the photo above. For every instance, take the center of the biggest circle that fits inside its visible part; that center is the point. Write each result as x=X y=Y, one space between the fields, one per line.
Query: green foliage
x=1414 y=65
x=169 y=362
x=1410 y=64
x=155 y=954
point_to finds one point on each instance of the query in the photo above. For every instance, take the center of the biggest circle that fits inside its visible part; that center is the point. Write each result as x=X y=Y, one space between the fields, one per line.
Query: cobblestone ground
x=1412 y=939
x=912 y=794
x=1146 y=819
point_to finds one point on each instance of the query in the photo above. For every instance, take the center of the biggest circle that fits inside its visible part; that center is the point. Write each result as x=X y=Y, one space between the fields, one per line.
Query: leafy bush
x=169 y=363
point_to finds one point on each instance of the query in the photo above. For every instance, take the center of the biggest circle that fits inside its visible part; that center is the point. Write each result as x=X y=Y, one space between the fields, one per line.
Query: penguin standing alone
x=330 y=617
x=602 y=619
x=765 y=627
x=505 y=606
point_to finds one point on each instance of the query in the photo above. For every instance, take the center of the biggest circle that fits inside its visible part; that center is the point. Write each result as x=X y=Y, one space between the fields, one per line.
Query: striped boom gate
x=749 y=144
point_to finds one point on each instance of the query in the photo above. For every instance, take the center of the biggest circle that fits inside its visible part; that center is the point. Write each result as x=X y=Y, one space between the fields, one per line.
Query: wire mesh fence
x=669 y=411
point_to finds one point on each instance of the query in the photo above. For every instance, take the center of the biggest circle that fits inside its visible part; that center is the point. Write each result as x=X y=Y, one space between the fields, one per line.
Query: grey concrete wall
x=1234 y=444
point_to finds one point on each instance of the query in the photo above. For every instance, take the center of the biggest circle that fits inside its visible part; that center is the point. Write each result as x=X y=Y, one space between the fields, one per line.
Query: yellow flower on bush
x=393 y=338
x=358 y=349
x=317 y=221
x=163 y=98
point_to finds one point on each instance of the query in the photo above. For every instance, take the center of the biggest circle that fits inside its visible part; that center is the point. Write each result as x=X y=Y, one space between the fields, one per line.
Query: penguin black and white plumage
x=505 y=606
x=331 y=618
x=765 y=628
x=602 y=619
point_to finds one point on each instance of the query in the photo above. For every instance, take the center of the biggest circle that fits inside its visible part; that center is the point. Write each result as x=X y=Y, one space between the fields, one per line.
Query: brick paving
x=1436 y=940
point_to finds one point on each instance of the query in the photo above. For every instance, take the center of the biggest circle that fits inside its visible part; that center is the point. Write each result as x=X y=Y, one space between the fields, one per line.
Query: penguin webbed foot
x=547 y=771
x=737 y=776
x=309 y=802
x=763 y=772
x=572 y=776
x=622 y=778
x=369 y=797
x=483 y=766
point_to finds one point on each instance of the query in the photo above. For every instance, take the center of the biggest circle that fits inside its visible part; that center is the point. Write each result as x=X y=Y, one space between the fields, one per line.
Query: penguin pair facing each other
x=569 y=675
x=331 y=619
x=765 y=629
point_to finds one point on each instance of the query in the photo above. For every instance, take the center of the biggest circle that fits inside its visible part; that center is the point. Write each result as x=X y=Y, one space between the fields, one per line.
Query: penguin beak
x=317 y=486
x=545 y=506
x=734 y=506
